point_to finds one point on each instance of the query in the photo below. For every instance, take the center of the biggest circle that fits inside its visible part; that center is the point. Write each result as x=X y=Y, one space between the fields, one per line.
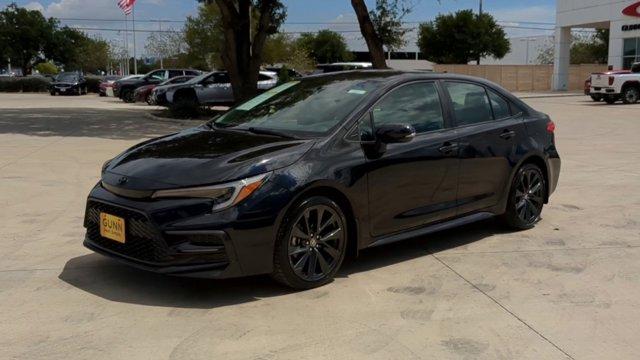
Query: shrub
x=25 y=84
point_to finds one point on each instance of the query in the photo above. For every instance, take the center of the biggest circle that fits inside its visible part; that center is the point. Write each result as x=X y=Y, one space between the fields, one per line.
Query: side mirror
x=395 y=133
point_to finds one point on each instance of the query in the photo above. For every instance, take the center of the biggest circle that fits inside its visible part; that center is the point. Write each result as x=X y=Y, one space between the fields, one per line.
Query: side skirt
x=429 y=229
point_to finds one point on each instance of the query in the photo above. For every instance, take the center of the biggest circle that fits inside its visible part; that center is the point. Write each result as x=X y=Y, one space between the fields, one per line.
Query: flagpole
x=126 y=43
x=135 y=60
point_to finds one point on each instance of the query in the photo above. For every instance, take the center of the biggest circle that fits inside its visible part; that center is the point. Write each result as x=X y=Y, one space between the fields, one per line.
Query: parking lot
x=570 y=288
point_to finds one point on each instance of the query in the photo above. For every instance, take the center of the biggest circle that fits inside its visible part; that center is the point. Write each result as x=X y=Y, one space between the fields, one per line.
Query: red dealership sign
x=632 y=10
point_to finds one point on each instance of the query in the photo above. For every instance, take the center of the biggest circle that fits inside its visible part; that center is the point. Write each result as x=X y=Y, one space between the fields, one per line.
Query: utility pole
x=479 y=16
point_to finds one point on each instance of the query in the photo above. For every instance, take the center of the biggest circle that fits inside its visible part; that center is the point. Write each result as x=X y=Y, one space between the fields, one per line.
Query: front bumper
x=181 y=236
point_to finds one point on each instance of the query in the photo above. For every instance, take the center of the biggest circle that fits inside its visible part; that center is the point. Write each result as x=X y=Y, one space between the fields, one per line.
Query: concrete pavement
x=567 y=289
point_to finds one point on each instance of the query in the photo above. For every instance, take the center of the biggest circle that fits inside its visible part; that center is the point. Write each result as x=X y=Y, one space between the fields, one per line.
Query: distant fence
x=524 y=77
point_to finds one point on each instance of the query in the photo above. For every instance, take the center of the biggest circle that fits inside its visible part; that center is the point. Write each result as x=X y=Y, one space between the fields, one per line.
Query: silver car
x=209 y=89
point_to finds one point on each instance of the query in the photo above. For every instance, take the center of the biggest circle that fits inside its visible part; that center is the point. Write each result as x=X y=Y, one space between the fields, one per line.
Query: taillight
x=551 y=126
x=611 y=80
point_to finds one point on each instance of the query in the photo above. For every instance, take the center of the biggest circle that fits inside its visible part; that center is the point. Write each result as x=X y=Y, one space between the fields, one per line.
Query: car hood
x=201 y=156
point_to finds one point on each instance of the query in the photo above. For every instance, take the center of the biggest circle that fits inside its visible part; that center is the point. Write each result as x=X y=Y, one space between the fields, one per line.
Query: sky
x=303 y=15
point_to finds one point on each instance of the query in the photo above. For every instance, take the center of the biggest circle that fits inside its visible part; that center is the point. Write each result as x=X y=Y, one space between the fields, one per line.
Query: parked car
x=292 y=181
x=69 y=83
x=125 y=89
x=106 y=85
x=599 y=97
x=342 y=66
x=210 y=89
x=614 y=87
x=293 y=74
x=144 y=93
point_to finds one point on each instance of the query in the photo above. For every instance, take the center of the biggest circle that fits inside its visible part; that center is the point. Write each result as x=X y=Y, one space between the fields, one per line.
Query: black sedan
x=292 y=181
x=69 y=83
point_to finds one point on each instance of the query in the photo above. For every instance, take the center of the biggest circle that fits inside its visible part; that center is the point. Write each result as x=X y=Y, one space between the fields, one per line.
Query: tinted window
x=470 y=103
x=263 y=77
x=174 y=73
x=499 y=105
x=414 y=104
x=192 y=73
x=310 y=107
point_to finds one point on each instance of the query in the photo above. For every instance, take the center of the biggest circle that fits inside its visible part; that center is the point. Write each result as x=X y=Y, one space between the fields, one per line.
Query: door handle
x=507 y=134
x=448 y=148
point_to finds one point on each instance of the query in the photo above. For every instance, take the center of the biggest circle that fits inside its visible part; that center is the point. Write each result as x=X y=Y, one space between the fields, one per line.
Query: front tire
x=311 y=244
x=631 y=95
x=526 y=198
x=128 y=97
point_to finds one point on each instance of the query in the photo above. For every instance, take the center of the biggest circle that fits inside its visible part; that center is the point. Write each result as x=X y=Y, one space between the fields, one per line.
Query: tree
x=387 y=21
x=24 y=35
x=244 y=44
x=461 y=37
x=165 y=45
x=593 y=49
x=46 y=68
x=204 y=38
x=371 y=37
x=325 y=47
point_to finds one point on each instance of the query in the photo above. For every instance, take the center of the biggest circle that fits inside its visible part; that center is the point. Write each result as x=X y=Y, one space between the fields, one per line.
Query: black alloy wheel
x=149 y=100
x=312 y=246
x=631 y=95
x=526 y=198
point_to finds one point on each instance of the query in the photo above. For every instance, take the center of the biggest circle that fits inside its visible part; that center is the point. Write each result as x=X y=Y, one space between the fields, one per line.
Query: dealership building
x=621 y=17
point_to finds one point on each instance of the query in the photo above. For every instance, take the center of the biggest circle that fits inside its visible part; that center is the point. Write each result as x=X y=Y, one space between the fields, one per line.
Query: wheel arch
x=539 y=161
x=634 y=83
x=334 y=193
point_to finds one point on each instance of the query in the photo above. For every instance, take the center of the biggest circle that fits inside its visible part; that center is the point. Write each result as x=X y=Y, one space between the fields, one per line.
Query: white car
x=210 y=89
x=614 y=87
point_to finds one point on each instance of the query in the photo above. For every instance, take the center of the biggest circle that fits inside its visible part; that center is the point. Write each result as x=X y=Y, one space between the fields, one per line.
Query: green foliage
x=24 y=84
x=204 y=37
x=47 y=68
x=326 y=46
x=282 y=49
x=461 y=37
x=24 y=36
x=387 y=21
x=593 y=49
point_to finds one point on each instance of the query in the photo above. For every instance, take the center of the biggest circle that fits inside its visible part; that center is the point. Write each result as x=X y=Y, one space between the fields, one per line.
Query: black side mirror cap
x=395 y=133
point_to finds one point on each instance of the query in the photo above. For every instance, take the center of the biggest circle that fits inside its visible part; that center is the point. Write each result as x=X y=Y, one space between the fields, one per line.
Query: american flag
x=126 y=6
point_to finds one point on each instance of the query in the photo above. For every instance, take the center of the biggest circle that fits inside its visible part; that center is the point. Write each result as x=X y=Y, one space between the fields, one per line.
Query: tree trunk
x=370 y=36
x=243 y=54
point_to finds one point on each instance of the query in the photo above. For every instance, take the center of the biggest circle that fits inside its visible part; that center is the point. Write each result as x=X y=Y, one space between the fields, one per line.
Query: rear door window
x=499 y=105
x=470 y=103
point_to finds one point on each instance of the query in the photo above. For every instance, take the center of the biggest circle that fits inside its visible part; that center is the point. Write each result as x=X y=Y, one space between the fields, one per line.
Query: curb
x=150 y=116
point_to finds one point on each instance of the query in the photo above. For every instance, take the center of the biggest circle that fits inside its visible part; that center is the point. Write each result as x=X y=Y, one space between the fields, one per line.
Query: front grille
x=143 y=242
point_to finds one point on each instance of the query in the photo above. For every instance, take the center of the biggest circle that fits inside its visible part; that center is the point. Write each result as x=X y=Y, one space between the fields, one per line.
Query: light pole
x=479 y=17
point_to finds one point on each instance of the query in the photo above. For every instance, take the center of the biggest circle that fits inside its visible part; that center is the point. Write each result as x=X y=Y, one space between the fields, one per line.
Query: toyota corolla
x=291 y=182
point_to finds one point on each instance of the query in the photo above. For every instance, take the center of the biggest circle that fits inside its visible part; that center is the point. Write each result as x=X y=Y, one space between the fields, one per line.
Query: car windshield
x=67 y=77
x=311 y=107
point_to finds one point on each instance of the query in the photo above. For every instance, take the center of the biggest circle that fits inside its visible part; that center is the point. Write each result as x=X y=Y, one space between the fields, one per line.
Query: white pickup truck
x=614 y=87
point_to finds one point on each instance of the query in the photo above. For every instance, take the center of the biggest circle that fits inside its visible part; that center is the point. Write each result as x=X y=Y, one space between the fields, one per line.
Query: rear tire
x=631 y=95
x=526 y=198
x=128 y=97
x=311 y=244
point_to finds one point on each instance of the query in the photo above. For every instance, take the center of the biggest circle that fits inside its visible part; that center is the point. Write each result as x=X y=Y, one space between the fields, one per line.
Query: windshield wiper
x=263 y=131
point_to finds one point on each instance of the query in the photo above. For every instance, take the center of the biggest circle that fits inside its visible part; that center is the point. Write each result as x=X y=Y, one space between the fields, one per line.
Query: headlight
x=223 y=195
